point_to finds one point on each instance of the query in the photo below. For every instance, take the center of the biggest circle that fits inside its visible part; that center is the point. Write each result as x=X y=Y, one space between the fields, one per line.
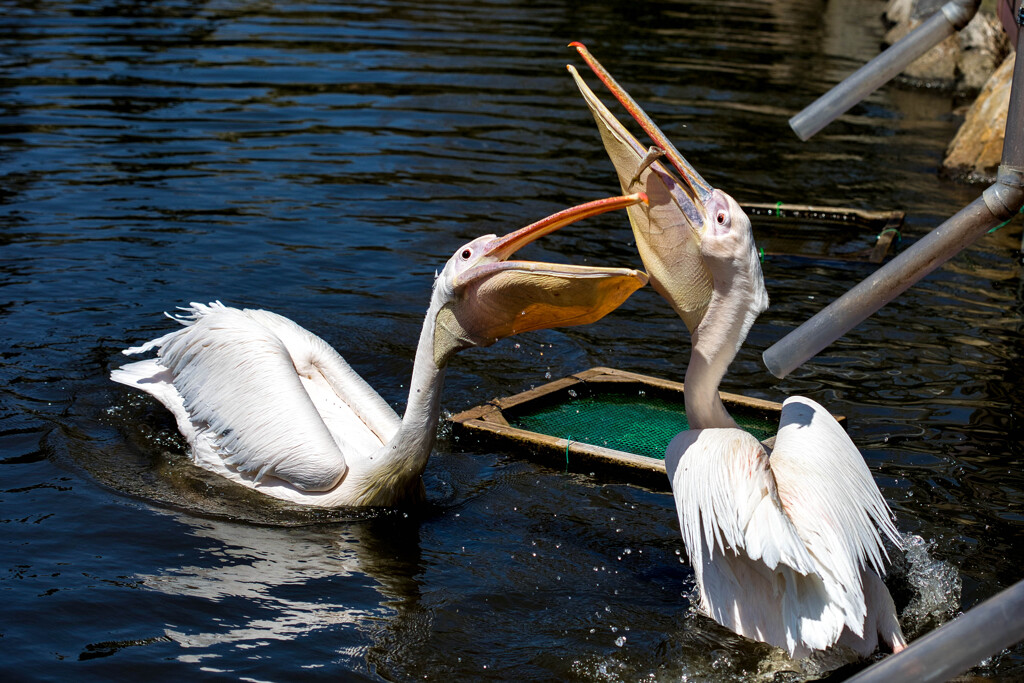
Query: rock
x=898 y=11
x=902 y=11
x=975 y=152
x=964 y=60
x=984 y=46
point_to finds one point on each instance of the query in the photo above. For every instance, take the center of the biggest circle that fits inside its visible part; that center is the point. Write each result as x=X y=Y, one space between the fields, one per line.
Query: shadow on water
x=322 y=161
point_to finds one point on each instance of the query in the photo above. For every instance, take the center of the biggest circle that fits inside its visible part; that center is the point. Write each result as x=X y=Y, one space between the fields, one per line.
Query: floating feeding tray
x=603 y=419
x=811 y=231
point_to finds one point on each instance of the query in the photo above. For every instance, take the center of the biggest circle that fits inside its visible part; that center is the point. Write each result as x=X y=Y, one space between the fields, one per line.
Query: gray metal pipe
x=998 y=203
x=953 y=648
x=1013 y=144
x=951 y=17
x=884 y=285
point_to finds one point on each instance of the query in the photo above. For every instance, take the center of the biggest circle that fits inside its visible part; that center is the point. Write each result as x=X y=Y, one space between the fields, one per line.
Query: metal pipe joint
x=1005 y=197
x=960 y=12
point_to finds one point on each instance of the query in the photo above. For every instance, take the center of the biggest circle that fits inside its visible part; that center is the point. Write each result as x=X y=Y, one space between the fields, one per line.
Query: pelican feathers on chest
x=785 y=543
x=271 y=406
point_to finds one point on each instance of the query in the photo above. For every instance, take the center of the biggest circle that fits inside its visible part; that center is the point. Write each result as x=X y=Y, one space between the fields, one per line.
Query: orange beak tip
x=577 y=44
x=643 y=198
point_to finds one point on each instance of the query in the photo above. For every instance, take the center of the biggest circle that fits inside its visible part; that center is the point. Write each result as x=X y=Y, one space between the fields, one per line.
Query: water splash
x=935 y=586
x=929 y=588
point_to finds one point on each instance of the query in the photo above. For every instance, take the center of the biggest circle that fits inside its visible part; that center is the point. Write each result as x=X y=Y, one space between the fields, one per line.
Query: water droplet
x=620 y=641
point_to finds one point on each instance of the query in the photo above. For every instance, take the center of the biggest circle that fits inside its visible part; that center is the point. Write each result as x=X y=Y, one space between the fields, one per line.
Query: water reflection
x=270 y=584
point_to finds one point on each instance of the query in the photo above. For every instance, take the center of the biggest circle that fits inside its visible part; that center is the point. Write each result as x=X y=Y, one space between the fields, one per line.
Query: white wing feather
x=830 y=496
x=755 y=575
x=826 y=486
x=725 y=492
x=259 y=387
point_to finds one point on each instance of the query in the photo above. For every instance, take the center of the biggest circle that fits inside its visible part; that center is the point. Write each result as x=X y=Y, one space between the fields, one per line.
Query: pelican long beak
x=499 y=249
x=668 y=231
x=501 y=297
x=699 y=188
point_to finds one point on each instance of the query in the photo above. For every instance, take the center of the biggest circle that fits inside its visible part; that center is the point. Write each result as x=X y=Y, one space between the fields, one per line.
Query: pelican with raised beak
x=785 y=543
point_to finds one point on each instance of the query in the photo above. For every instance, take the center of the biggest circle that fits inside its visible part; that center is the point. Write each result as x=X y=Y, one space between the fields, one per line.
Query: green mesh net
x=629 y=422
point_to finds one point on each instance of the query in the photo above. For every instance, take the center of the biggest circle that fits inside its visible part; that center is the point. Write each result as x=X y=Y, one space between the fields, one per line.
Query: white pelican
x=784 y=542
x=271 y=406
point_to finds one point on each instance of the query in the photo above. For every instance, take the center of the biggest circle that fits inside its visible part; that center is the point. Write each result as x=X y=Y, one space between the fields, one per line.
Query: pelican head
x=727 y=246
x=486 y=295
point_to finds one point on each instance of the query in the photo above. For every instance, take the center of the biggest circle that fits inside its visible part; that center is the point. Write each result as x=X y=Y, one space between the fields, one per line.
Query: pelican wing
x=259 y=388
x=756 y=575
x=726 y=498
x=829 y=494
x=827 y=489
x=667 y=244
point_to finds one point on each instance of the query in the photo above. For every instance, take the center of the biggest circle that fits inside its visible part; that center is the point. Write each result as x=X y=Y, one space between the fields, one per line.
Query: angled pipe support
x=951 y=17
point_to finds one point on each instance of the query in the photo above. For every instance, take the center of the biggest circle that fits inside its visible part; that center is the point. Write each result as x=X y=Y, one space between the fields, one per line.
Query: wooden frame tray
x=832 y=245
x=494 y=423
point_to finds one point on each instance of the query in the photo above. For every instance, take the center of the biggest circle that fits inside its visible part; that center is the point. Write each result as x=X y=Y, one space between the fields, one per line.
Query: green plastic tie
x=899 y=237
x=567 y=442
x=1006 y=222
x=778 y=207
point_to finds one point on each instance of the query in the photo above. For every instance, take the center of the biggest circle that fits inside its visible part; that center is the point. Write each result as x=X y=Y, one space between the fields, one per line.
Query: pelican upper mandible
x=273 y=407
x=785 y=542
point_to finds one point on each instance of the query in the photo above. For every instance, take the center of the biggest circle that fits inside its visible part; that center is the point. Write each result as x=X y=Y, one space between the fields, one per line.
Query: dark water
x=321 y=160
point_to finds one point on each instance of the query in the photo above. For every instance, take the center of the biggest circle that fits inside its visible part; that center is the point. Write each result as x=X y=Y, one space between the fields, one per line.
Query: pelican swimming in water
x=784 y=541
x=271 y=406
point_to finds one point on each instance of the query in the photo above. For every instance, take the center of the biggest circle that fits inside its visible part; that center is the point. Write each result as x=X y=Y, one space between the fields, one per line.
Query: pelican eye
x=722 y=217
x=466 y=253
